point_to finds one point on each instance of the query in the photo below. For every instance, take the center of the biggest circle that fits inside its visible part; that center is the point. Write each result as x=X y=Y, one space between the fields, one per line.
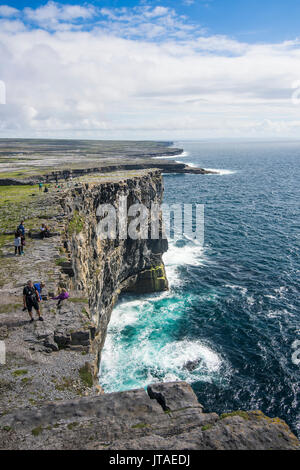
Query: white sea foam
x=279 y=313
x=190 y=254
x=162 y=362
x=135 y=354
x=164 y=157
x=192 y=165
x=243 y=290
x=177 y=354
x=281 y=291
x=220 y=171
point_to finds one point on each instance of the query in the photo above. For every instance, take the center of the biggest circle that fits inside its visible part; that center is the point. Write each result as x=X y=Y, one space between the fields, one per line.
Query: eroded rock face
x=153 y=279
x=104 y=268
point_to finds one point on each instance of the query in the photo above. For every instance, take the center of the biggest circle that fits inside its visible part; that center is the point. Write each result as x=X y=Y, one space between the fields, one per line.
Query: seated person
x=64 y=295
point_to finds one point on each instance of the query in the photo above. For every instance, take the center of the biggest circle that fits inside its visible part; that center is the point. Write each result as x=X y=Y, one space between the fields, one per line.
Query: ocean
x=229 y=322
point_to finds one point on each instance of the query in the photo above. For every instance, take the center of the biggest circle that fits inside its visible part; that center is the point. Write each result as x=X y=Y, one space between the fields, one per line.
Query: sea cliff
x=104 y=268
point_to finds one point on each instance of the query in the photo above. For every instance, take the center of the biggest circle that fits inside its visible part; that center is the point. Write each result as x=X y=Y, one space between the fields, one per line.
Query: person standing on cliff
x=21 y=228
x=31 y=300
x=18 y=243
x=23 y=243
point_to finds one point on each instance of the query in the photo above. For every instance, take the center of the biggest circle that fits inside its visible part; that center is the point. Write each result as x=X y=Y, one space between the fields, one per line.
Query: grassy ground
x=20 y=202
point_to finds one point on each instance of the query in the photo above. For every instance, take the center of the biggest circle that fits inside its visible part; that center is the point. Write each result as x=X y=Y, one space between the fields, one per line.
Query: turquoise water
x=233 y=306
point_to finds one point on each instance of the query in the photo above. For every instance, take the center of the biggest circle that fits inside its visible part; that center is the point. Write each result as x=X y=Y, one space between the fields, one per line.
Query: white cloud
x=6 y=11
x=155 y=12
x=143 y=73
x=51 y=14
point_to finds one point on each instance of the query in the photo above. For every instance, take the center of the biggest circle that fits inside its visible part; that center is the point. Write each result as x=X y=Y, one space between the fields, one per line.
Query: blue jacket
x=38 y=287
x=21 y=229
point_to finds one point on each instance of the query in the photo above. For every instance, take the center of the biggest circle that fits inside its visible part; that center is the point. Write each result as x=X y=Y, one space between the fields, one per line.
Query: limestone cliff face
x=104 y=268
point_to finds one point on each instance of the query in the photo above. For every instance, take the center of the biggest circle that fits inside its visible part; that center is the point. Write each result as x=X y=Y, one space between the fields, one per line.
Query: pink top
x=62 y=296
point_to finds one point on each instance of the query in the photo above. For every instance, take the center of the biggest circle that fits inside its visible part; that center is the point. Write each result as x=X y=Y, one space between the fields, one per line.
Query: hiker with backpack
x=31 y=300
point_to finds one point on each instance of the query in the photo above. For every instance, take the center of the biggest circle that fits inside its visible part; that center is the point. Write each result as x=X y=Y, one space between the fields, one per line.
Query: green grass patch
x=81 y=300
x=76 y=224
x=61 y=261
x=140 y=426
x=67 y=383
x=17 y=203
x=242 y=414
x=17 y=194
x=86 y=376
x=26 y=380
x=72 y=425
x=19 y=372
x=37 y=431
x=206 y=427
x=7 y=308
x=7 y=428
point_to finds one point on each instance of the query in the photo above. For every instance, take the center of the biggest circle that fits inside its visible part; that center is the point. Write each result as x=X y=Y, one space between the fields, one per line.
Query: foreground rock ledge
x=168 y=417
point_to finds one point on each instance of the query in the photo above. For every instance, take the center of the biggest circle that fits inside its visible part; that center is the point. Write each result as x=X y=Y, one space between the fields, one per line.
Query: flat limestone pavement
x=166 y=417
x=45 y=361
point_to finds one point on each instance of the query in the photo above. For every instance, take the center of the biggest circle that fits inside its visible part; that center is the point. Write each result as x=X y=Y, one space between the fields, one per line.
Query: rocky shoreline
x=164 y=166
x=47 y=161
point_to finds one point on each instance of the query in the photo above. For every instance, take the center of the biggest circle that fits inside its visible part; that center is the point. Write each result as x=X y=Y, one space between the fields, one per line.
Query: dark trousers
x=17 y=250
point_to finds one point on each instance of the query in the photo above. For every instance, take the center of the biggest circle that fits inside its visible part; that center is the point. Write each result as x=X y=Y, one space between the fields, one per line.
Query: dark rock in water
x=150 y=280
x=192 y=365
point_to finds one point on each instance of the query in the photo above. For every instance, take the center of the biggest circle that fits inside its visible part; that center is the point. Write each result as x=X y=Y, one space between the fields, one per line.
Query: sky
x=173 y=70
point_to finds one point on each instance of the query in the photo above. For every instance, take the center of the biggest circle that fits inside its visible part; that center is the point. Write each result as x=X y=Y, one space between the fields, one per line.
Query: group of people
x=32 y=292
x=32 y=296
x=19 y=242
x=46 y=189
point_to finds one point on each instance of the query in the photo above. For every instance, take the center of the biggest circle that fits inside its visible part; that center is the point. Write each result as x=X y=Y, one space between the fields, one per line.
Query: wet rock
x=191 y=365
x=150 y=280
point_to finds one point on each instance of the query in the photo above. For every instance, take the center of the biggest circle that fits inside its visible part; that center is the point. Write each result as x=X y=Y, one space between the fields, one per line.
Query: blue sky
x=160 y=69
x=250 y=20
